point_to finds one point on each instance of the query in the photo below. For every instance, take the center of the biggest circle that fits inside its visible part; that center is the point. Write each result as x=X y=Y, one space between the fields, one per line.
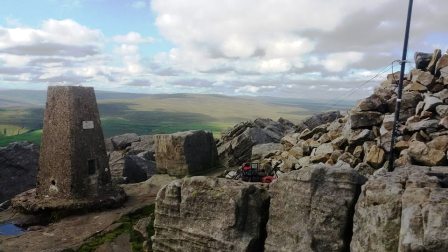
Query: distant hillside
x=22 y=111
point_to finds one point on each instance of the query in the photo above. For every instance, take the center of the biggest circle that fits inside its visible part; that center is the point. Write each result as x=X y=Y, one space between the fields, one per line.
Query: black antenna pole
x=400 y=89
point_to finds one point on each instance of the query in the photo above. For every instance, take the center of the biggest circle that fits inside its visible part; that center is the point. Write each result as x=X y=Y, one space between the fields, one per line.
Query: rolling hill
x=21 y=112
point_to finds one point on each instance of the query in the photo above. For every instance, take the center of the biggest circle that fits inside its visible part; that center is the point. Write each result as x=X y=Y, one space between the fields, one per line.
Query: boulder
x=324 y=149
x=427 y=124
x=129 y=168
x=235 y=145
x=365 y=169
x=365 y=119
x=261 y=151
x=375 y=157
x=18 y=168
x=185 y=153
x=442 y=110
x=340 y=142
x=431 y=103
x=137 y=169
x=444 y=122
x=442 y=95
x=210 y=214
x=311 y=209
x=290 y=140
x=414 y=86
x=402 y=211
x=360 y=136
x=371 y=103
x=319 y=119
x=434 y=59
x=422 y=77
x=442 y=63
x=120 y=142
x=146 y=144
x=422 y=60
x=348 y=158
x=424 y=155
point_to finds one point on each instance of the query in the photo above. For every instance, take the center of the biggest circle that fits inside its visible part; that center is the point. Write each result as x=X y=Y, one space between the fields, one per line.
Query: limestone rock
x=442 y=63
x=422 y=77
x=376 y=156
x=261 y=151
x=129 y=168
x=431 y=103
x=444 y=122
x=324 y=149
x=360 y=136
x=146 y=144
x=425 y=155
x=414 y=86
x=442 y=110
x=185 y=153
x=319 y=119
x=235 y=145
x=137 y=169
x=371 y=103
x=310 y=209
x=428 y=124
x=422 y=60
x=365 y=119
x=364 y=169
x=434 y=59
x=402 y=211
x=120 y=142
x=18 y=168
x=348 y=158
x=210 y=214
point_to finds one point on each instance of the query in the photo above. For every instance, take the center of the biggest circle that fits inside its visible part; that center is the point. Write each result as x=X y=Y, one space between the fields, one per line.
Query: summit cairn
x=73 y=165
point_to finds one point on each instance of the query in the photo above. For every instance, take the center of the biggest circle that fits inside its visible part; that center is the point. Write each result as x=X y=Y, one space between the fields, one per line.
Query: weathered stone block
x=365 y=119
x=311 y=209
x=403 y=211
x=210 y=214
x=185 y=153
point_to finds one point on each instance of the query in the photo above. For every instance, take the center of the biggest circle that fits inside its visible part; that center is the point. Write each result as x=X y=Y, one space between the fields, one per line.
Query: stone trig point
x=73 y=165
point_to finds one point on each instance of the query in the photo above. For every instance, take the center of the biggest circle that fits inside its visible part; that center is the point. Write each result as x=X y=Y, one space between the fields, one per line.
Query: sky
x=320 y=49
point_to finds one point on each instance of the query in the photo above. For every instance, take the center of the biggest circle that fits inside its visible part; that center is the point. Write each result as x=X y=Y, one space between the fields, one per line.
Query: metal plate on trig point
x=87 y=125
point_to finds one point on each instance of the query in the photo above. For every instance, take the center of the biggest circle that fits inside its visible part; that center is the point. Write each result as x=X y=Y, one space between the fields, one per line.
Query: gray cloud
x=139 y=83
x=51 y=49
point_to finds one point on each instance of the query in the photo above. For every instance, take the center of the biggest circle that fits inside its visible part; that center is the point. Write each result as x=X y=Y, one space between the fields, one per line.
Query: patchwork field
x=22 y=118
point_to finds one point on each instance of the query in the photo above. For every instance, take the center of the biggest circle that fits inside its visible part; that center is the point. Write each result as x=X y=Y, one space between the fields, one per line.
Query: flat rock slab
x=72 y=232
x=210 y=214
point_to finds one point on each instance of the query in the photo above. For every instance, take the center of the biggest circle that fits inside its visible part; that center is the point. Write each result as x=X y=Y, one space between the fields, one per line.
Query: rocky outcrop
x=18 y=168
x=318 y=119
x=131 y=157
x=311 y=209
x=235 y=145
x=185 y=153
x=210 y=214
x=362 y=138
x=406 y=210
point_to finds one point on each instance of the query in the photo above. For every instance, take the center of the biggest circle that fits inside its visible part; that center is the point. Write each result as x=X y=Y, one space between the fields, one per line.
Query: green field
x=154 y=114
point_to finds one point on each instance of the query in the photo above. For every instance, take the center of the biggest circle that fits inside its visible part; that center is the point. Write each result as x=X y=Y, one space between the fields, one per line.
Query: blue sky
x=291 y=48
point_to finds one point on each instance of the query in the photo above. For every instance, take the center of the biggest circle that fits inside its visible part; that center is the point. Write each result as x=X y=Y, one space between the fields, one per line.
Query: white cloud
x=274 y=65
x=133 y=38
x=251 y=89
x=336 y=62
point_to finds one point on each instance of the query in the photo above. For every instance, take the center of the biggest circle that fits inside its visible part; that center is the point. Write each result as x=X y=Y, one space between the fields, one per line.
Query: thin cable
x=353 y=90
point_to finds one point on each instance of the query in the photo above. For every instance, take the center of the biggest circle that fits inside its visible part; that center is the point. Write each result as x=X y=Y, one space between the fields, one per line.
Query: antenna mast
x=390 y=167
